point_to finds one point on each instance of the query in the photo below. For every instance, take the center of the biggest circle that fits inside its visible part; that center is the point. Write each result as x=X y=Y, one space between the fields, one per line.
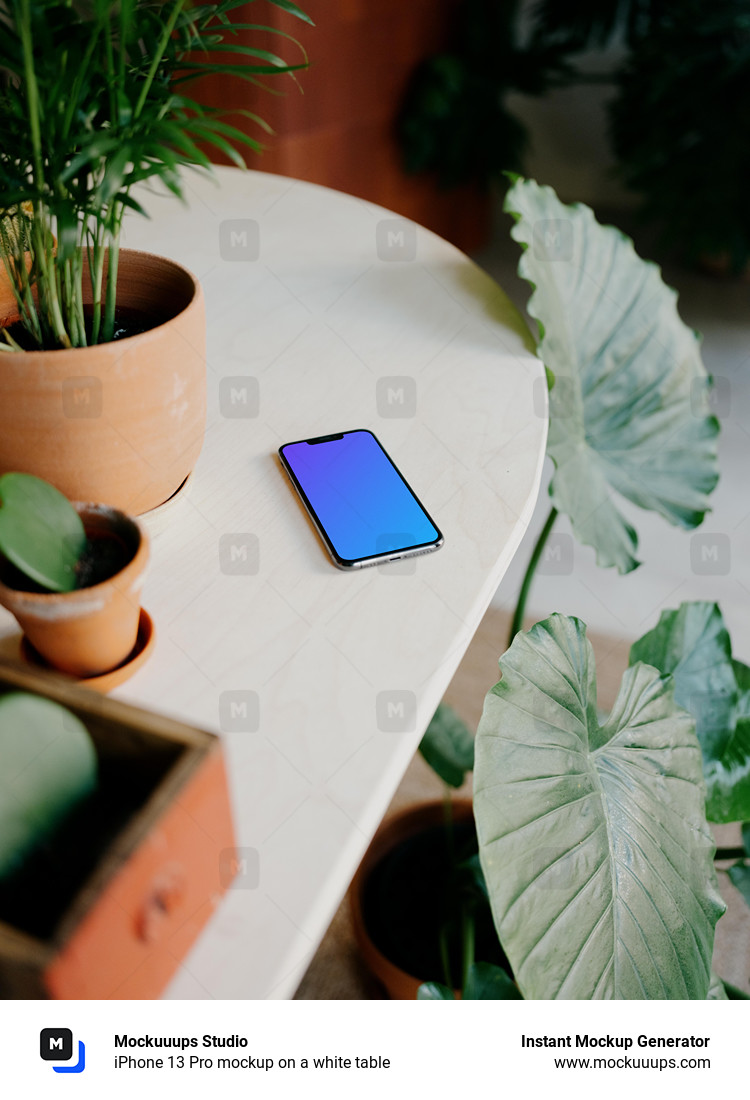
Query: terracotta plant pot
x=719 y=266
x=400 y=984
x=123 y=421
x=90 y=630
x=8 y=307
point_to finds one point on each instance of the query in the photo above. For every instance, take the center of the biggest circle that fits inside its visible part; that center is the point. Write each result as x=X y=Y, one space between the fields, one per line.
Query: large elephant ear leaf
x=593 y=839
x=629 y=406
x=693 y=646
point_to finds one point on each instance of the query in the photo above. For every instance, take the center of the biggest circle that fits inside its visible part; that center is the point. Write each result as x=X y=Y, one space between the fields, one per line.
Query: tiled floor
x=628 y=606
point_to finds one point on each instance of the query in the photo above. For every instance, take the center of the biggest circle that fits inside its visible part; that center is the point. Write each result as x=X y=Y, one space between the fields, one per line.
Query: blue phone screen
x=361 y=501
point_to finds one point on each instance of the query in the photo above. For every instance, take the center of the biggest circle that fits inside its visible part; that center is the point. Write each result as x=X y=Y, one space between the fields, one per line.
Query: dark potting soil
x=105 y=555
x=35 y=897
x=128 y=322
x=411 y=893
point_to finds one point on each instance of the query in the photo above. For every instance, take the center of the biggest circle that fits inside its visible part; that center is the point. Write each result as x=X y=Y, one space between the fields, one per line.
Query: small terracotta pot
x=401 y=985
x=8 y=307
x=719 y=266
x=90 y=630
x=123 y=421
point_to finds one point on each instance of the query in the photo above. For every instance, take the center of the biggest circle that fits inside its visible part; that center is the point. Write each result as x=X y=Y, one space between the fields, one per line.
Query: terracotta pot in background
x=90 y=630
x=342 y=132
x=719 y=266
x=8 y=307
x=123 y=421
x=400 y=985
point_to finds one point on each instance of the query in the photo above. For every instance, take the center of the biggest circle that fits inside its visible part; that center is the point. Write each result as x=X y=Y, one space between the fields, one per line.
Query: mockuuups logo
x=56 y=1045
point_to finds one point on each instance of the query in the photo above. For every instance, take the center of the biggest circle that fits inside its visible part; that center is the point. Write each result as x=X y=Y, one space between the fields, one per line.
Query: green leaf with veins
x=629 y=407
x=740 y=877
x=448 y=746
x=593 y=838
x=693 y=645
x=728 y=778
x=742 y=676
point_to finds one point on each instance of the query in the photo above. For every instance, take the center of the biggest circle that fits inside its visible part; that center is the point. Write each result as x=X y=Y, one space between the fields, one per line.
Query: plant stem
x=49 y=299
x=78 y=293
x=108 y=329
x=158 y=54
x=76 y=89
x=96 y=272
x=110 y=68
x=445 y=961
x=67 y=292
x=467 y=937
x=536 y=554
x=32 y=91
x=450 y=853
x=730 y=853
x=47 y=280
x=448 y=826
x=8 y=341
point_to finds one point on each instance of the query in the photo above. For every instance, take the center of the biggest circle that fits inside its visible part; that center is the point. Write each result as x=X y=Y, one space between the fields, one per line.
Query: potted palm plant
x=103 y=350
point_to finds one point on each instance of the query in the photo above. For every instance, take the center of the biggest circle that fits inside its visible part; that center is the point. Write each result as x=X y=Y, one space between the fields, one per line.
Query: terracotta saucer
x=106 y=681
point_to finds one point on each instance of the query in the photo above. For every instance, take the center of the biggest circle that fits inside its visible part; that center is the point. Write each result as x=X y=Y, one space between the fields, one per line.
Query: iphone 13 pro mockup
x=363 y=508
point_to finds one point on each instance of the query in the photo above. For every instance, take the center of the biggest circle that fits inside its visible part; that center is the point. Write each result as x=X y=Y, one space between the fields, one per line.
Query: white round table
x=325 y=313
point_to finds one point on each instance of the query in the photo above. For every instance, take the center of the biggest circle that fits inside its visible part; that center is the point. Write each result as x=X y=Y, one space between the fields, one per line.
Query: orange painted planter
x=401 y=985
x=121 y=422
x=147 y=894
x=91 y=630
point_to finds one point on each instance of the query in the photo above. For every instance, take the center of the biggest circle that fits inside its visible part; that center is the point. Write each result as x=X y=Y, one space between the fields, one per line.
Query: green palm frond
x=92 y=96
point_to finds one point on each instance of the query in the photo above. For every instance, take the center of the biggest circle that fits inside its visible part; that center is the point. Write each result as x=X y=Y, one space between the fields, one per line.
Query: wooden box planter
x=111 y=905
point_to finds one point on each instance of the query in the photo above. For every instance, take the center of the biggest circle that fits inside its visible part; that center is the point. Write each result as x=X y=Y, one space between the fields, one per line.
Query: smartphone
x=362 y=506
